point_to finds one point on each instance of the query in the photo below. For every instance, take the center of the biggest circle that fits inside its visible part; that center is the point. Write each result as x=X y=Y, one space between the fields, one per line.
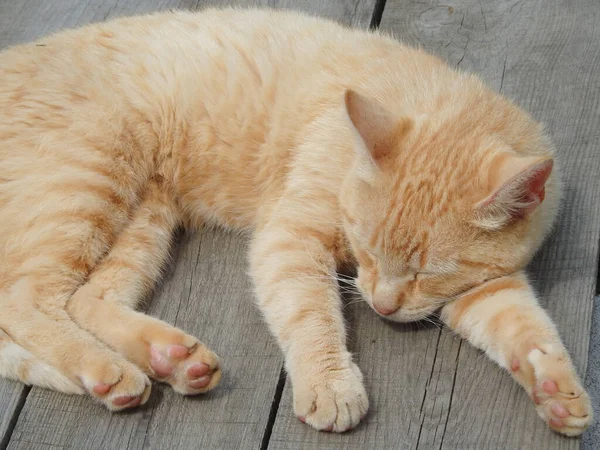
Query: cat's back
x=168 y=41
x=104 y=98
x=234 y=65
x=226 y=93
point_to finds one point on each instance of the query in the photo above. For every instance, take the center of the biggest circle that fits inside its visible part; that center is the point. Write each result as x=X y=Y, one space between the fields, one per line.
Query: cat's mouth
x=413 y=314
x=411 y=311
x=408 y=314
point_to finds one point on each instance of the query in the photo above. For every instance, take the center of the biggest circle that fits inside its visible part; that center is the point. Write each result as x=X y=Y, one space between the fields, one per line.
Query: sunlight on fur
x=333 y=146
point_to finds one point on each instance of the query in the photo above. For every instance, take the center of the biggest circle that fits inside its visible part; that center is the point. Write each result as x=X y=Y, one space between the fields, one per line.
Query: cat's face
x=430 y=216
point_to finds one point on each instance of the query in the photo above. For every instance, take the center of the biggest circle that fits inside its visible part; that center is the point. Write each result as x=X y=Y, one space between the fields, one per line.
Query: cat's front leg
x=297 y=291
x=503 y=318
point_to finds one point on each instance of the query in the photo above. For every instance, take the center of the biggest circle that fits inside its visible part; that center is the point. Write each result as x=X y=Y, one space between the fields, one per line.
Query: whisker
x=352 y=302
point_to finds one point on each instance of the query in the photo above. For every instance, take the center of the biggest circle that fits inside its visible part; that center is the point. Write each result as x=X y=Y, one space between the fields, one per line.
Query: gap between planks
x=13 y=420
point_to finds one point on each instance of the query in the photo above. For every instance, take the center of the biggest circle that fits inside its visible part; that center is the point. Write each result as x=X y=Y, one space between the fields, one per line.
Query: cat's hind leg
x=19 y=364
x=104 y=305
x=55 y=229
x=34 y=323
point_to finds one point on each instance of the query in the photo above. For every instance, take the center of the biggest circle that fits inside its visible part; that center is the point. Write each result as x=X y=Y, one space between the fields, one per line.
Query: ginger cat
x=335 y=146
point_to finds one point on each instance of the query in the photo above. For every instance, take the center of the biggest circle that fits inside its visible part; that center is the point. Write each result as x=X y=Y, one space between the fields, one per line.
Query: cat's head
x=435 y=206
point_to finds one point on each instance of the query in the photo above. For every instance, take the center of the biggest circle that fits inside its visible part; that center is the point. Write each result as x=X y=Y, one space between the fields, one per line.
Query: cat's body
x=334 y=146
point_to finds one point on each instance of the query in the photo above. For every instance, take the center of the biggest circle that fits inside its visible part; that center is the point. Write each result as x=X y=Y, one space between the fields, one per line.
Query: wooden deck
x=428 y=388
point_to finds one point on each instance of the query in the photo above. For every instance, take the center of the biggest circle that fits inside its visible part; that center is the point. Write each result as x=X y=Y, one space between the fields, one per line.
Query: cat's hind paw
x=560 y=399
x=189 y=367
x=333 y=401
x=118 y=386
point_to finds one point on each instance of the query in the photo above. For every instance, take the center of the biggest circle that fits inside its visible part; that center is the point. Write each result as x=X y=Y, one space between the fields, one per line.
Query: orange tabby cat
x=335 y=146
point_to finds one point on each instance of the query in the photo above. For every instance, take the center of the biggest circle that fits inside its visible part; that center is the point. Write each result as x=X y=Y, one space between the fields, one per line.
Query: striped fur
x=335 y=147
x=504 y=319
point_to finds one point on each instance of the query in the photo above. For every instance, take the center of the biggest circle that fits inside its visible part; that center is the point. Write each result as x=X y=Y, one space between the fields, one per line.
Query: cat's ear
x=377 y=130
x=518 y=187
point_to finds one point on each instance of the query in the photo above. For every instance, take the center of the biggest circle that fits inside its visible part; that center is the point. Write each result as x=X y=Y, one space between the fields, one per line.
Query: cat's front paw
x=335 y=400
x=560 y=399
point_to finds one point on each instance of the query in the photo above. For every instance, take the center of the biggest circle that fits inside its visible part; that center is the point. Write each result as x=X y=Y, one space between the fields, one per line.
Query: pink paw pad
x=102 y=388
x=550 y=387
x=515 y=365
x=127 y=400
x=160 y=365
x=197 y=370
x=200 y=383
x=187 y=366
x=199 y=375
x=557 y=423
x=560 y=411
x=534 y=396
x=178 y=351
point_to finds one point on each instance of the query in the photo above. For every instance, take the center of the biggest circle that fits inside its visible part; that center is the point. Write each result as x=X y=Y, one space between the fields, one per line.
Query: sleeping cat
x=334 y=146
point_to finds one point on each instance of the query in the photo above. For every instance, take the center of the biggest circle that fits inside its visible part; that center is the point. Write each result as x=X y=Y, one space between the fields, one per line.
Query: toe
x=197 y=370
x=117 y=385
x=102 y=388
x=550 y=387
x=123 y=400
x=515 y=364
x=178 y=351
x=559 y=410
x=579 y=406
x=187 y=365
x=556 y=423
x=200 y=383
x=128 y=401
x=136 y=402
x=159 y=364
x=535 y=395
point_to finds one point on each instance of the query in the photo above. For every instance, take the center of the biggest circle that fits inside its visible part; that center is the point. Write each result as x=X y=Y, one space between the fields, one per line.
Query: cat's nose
x=386 y=303
x=385 y=310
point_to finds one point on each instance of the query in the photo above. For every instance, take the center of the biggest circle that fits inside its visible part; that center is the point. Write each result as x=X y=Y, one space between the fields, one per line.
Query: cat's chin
x=407 y=318
x=407 y=315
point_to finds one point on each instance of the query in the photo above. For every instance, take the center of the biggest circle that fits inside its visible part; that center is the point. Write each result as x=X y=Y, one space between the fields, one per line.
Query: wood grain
x=545 y=55
x=25 y=20
x=206 y=293
x=590 y=439
x=12 y=395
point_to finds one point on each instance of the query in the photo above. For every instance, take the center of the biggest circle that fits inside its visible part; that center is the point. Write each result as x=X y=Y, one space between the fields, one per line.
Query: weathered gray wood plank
x=208 y=294
x=592 y=437
x=545 y=55
x=25 y=20
x=11 y=399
